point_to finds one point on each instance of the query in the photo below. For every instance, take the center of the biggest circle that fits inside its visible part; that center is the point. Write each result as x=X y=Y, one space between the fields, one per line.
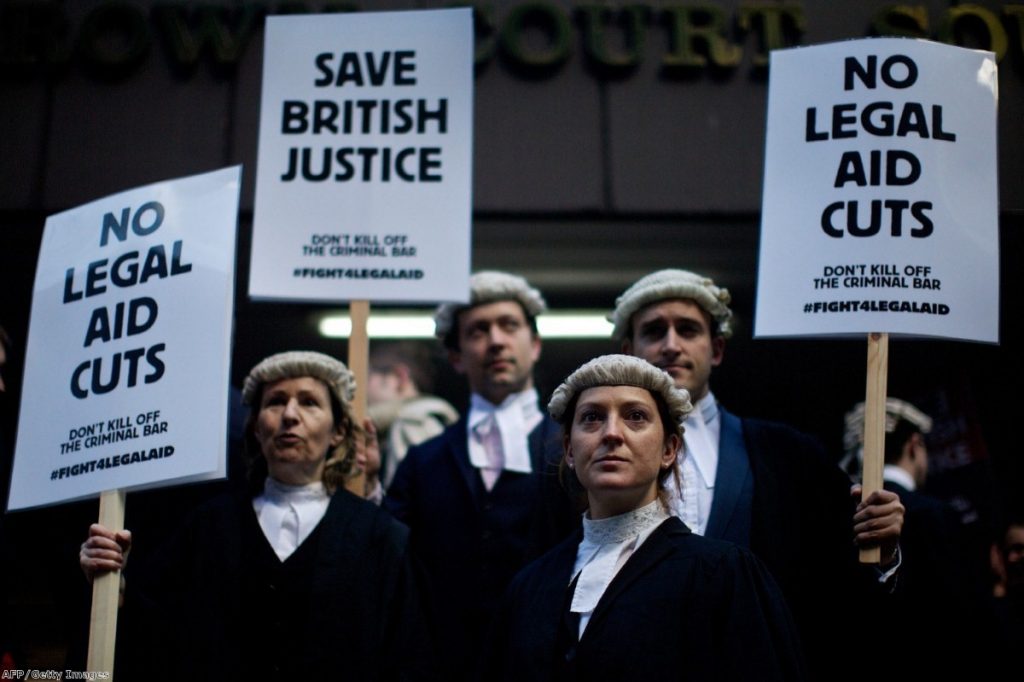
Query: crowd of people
x=630 y=527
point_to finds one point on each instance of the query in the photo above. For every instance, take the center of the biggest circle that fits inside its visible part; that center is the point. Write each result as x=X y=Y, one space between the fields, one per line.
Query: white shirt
x=899 y=476
x=697 y=464
x=607 y=545
x=516 y=417
x=287 y=514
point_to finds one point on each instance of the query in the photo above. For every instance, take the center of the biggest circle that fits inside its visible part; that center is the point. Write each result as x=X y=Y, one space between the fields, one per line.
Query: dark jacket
x=801 y=526
x=216 y=603
x=471 y=541
x=940 y=612
x=682 y=607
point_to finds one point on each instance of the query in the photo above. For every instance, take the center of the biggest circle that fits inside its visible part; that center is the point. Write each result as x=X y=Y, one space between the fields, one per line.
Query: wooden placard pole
x=106 y=590
x=874 y=425
x=359 y=363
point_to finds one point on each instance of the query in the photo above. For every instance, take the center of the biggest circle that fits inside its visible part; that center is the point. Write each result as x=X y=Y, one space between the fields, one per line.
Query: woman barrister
x=635 y=595
x=303 y=577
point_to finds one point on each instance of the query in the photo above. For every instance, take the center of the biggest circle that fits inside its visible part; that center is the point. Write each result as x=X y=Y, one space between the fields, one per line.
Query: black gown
x=472 y=541
x=682 y=607
x=216 y=603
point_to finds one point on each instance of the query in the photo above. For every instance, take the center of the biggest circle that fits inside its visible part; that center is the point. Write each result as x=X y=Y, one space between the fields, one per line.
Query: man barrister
x=482 y=498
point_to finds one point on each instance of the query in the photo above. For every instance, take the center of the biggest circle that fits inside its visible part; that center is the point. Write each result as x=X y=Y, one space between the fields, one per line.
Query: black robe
x=216 y=603
x=682 y=607
x=473 y=541
x=938 y=611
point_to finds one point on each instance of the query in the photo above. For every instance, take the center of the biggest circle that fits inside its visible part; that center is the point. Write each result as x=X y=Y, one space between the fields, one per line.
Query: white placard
x=127 y=365
x=364 y=175
x=880 y=195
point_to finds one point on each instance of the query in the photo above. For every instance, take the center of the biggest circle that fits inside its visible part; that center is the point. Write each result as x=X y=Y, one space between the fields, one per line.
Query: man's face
x=497 y=349
x=381 y=386
x=675 y=335
x=1013 y=554
x=920 y=461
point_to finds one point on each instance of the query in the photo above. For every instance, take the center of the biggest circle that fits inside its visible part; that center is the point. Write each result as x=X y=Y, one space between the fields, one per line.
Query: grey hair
x=488 y=286
x=671 y=284
x=620 y=370
x=340 y=383
x=301 y=363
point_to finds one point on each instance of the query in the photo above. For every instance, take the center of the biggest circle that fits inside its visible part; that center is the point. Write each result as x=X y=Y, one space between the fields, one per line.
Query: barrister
x=636 y=595
x=482 y=499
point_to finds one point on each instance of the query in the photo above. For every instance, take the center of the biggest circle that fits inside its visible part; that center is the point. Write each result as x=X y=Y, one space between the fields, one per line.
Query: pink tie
x=490 y=437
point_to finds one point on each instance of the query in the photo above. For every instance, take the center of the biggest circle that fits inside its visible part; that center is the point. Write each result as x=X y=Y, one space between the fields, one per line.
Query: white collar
x=607 y=544
x=708 y=407
x=515 y=418
x=698 y=439
x=900 y=476
x=616 y=529
x=524 y=401
x=283 y=493
x=287 y=514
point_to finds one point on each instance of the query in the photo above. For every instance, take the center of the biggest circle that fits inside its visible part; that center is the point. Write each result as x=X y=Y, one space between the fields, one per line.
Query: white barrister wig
x=489 y=286
x=896 y=410
x=620 y=370
x=301 y=363
x=671 y=284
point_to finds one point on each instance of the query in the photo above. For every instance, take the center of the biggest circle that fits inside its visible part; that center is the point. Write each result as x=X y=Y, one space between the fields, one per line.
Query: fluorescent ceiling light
x=568 y=324
x=578 y=324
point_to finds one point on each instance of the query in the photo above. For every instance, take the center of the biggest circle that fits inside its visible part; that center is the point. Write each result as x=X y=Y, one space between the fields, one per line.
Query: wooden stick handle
x=874 y=426
x=106 y=591
x=359 y=363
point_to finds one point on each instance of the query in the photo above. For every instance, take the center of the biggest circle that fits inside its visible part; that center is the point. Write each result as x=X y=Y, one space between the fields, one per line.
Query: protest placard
x=880 y=196
x=364 y=173
x=127 y=364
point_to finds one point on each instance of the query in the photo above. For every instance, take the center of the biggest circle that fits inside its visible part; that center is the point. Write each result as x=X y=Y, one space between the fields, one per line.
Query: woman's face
x=617 y=448
x=295 y=429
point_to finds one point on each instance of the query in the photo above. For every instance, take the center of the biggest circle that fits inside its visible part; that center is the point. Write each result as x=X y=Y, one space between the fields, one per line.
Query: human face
x=381 y=387
x=919 y=461
x=1013 y=550
x=368 y=451
x=497 y=350
x=3 y=361
x=617 y=447
x=295 y=429
x=675 y=335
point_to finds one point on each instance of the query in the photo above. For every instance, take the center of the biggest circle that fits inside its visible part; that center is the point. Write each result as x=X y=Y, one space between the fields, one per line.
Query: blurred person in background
x=939 y=609
x=398 y=395
x=1008 y=602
